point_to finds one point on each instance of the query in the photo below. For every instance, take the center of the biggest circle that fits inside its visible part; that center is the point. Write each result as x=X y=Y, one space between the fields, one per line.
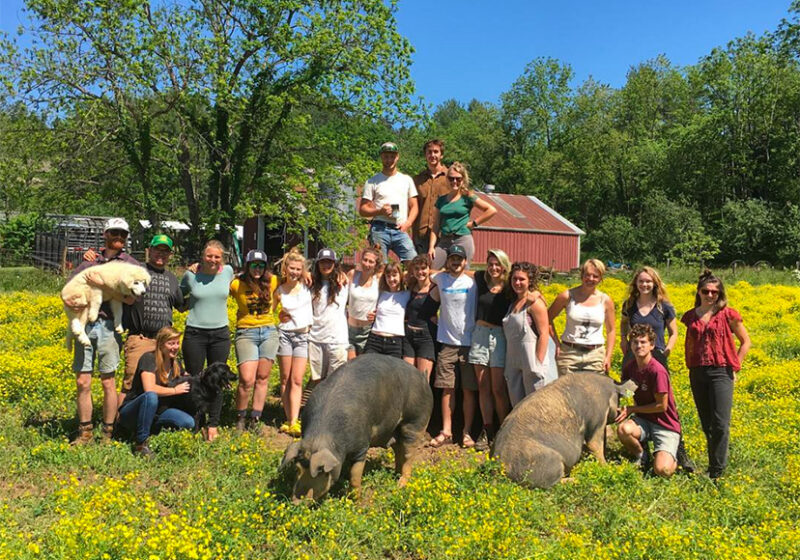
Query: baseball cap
x=326 y=254
x=389 y=147
x=457 y=250
x=116 y=223
x=161 y=239
x=255 y=255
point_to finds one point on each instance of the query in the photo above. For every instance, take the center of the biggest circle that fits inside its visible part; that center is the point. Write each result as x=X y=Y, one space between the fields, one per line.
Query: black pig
x=365 y=403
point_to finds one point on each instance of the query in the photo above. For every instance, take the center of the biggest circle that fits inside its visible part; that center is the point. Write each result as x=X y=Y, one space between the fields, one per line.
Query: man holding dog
x=656 y=417
x=106 y=342
x=389 y=198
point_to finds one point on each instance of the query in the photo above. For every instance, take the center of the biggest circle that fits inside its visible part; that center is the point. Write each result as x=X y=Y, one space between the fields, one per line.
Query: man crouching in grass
x=656 y=417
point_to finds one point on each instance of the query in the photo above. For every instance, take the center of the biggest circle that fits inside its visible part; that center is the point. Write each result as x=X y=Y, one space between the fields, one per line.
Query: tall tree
x=207 y=95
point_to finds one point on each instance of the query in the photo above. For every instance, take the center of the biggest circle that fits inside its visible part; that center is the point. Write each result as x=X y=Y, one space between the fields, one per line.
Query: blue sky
x=469 y=49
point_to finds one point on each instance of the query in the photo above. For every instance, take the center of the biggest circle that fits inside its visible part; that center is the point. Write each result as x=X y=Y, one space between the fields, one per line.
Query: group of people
x=489 y=333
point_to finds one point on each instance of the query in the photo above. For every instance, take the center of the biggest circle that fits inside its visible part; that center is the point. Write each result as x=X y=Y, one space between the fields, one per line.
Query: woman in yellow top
x=256 y=335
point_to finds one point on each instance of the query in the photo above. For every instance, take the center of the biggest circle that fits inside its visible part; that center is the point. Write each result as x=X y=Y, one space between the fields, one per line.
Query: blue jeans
x=391 y=238
x=138 y=415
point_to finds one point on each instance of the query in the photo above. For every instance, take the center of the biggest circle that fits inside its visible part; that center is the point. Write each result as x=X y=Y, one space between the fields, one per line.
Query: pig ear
x=290 y=454
x=627 y=388
x=324 y=460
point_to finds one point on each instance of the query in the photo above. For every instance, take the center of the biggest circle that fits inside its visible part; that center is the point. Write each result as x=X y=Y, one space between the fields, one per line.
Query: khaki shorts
x=573 y=359
x=135 y=346
x=325 y=358
x=450 y=356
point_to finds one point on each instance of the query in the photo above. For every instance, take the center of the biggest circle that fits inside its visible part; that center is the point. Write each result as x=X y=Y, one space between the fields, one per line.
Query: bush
x=17 y=237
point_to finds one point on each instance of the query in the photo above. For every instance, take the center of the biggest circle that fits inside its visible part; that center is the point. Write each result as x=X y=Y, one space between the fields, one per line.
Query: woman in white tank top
x=362 y=300
x=582 y=347
x=296 y=317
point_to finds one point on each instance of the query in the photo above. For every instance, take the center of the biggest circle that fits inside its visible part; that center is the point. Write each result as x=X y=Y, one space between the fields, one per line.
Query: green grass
x=29 y=278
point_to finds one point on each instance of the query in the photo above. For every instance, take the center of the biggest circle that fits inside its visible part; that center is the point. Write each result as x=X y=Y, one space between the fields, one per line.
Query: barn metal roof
x=526 y=213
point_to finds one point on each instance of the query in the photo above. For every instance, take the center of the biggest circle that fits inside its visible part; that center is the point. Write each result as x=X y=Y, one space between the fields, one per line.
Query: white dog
x=83 y=295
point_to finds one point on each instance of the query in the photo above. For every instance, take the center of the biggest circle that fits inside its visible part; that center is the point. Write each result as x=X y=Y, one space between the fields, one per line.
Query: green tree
x=214 y=97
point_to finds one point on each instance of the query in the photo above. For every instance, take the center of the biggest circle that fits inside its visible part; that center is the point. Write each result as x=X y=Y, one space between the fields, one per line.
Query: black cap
x=326 y=254
x=457 y=250
x=255 y=255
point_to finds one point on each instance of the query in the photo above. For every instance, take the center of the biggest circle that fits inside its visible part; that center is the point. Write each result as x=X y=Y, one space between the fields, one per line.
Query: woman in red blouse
x=713 y=360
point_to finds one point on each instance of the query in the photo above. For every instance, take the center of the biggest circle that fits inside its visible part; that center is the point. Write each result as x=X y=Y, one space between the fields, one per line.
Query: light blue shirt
x=208 y=298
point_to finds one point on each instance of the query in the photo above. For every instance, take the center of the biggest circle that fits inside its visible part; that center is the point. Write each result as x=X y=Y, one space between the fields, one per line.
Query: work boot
x=241 y=424
x=684 y=461
x=108 y=433
x=255 y=425
x=143 y=449
x=85 y=434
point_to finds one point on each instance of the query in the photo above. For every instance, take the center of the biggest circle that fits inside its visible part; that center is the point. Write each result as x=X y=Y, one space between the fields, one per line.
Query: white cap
x=116 y=223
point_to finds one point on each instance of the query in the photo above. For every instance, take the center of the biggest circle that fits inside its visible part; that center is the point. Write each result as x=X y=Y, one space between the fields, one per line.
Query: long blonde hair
x=294 y=255
x=165 y=334
x=659 y=289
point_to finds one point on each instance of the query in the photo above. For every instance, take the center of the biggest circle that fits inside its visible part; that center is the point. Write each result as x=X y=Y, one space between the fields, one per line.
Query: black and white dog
x=204 y=399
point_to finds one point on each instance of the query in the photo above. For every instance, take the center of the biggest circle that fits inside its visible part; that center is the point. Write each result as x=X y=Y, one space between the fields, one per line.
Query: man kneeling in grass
x=656 y=417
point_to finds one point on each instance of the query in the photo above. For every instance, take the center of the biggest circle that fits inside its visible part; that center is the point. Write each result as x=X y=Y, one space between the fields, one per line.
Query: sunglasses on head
x=707 y=292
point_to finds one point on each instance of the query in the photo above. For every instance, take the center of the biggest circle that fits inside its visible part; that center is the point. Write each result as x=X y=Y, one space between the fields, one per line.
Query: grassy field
x=228 y=500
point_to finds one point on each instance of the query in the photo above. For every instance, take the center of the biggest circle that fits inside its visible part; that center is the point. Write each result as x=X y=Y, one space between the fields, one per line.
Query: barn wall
x=559 y=251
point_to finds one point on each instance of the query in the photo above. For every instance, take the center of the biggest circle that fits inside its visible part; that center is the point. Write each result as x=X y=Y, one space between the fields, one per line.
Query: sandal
x=467 y=442
x=440 y=440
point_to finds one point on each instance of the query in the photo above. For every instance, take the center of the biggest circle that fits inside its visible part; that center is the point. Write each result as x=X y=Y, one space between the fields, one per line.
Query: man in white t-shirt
x=390 y=200
x=458 y=296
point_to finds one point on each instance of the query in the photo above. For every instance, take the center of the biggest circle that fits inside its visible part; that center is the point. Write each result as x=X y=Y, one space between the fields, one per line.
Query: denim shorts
x=662 y=438
x=357 y=337
x=293 y=343
x=488 y=347
x=256 y=343
x=418 y=343
x=106 y=344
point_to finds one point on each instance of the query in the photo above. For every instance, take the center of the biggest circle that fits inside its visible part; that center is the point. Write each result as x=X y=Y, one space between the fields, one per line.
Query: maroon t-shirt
x=652 y=379
x=711 y=344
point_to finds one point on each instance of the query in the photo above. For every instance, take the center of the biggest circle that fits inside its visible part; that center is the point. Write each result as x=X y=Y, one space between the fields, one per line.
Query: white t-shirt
x=298 y=305
x=396 y=190
x=459 y=297
x=390 y=318
x=330 y=320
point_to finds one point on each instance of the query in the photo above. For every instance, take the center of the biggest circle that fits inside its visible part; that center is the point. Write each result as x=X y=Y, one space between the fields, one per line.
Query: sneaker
x=684 y=461
x=482 y=443
x=295 y=430
x=85 y=435
x=143 y=449
x=284 y=429
x=643 y=461
x=241 y=423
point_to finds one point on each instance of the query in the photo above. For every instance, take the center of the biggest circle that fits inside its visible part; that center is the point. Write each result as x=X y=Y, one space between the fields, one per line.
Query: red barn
x=527 y=229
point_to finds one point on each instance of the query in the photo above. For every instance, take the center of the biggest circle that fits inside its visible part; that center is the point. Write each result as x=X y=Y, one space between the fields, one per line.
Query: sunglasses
x=707 y=292
x=258 y=265
x=117 y=232
x=455 y=179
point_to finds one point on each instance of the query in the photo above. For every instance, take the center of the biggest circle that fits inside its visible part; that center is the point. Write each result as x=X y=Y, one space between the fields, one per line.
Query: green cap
x=390 y=147
x=161 y=239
